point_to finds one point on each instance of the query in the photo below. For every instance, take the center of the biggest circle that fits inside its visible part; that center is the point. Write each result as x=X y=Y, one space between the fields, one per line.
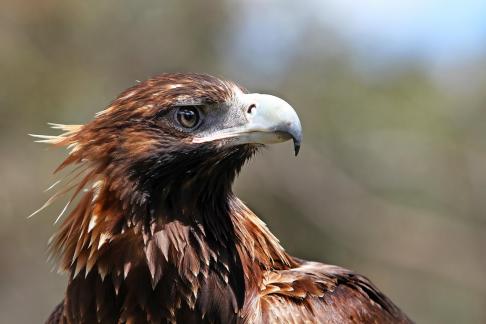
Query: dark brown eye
x=188 y=117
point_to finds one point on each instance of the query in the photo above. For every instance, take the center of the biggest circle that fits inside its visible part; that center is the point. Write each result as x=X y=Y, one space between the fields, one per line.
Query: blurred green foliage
x=390 y=181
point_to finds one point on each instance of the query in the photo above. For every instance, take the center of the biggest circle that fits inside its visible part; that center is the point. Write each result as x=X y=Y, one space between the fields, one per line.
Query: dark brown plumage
x=158 y=236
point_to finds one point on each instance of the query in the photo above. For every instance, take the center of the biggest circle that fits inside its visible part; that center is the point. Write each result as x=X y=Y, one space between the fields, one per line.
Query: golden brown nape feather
x=157 y=235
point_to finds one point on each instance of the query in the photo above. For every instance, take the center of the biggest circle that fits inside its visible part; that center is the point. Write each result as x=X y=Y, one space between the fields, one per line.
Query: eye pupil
x=188 y=117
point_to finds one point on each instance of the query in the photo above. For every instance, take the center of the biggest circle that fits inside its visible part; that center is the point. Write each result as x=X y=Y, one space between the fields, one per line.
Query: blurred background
x=391 y=179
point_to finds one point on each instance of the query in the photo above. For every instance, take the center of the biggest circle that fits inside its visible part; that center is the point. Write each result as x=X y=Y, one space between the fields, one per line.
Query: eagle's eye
x=188 y=116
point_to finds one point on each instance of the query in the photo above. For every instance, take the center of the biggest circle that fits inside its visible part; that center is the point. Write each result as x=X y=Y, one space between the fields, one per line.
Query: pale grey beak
x=266 y=119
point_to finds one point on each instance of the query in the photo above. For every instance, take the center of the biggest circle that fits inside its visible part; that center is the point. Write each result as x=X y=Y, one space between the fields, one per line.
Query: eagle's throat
x=182 y=236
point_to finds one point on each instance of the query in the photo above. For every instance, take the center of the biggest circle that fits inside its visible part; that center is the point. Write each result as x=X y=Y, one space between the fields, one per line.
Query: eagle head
x=176 y=141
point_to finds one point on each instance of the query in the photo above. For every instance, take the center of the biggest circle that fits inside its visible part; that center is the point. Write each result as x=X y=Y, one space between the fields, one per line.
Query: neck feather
x=205 y=245
x=157 y=229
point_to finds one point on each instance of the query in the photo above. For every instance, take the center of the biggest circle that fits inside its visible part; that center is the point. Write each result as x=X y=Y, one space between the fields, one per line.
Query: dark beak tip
x=296 y=147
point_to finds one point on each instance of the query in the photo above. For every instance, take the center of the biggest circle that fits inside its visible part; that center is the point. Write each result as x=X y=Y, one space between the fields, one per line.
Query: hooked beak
x=266 y=119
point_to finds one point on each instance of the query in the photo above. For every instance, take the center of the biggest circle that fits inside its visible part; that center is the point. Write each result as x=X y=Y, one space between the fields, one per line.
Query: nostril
x=250 y=108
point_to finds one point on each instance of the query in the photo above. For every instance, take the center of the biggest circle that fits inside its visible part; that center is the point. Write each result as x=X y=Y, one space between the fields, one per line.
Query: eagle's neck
x=175 y=253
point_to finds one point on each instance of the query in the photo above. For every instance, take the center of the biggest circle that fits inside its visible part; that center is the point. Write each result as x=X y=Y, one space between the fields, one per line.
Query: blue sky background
x=446 y=30
x=442 y=33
